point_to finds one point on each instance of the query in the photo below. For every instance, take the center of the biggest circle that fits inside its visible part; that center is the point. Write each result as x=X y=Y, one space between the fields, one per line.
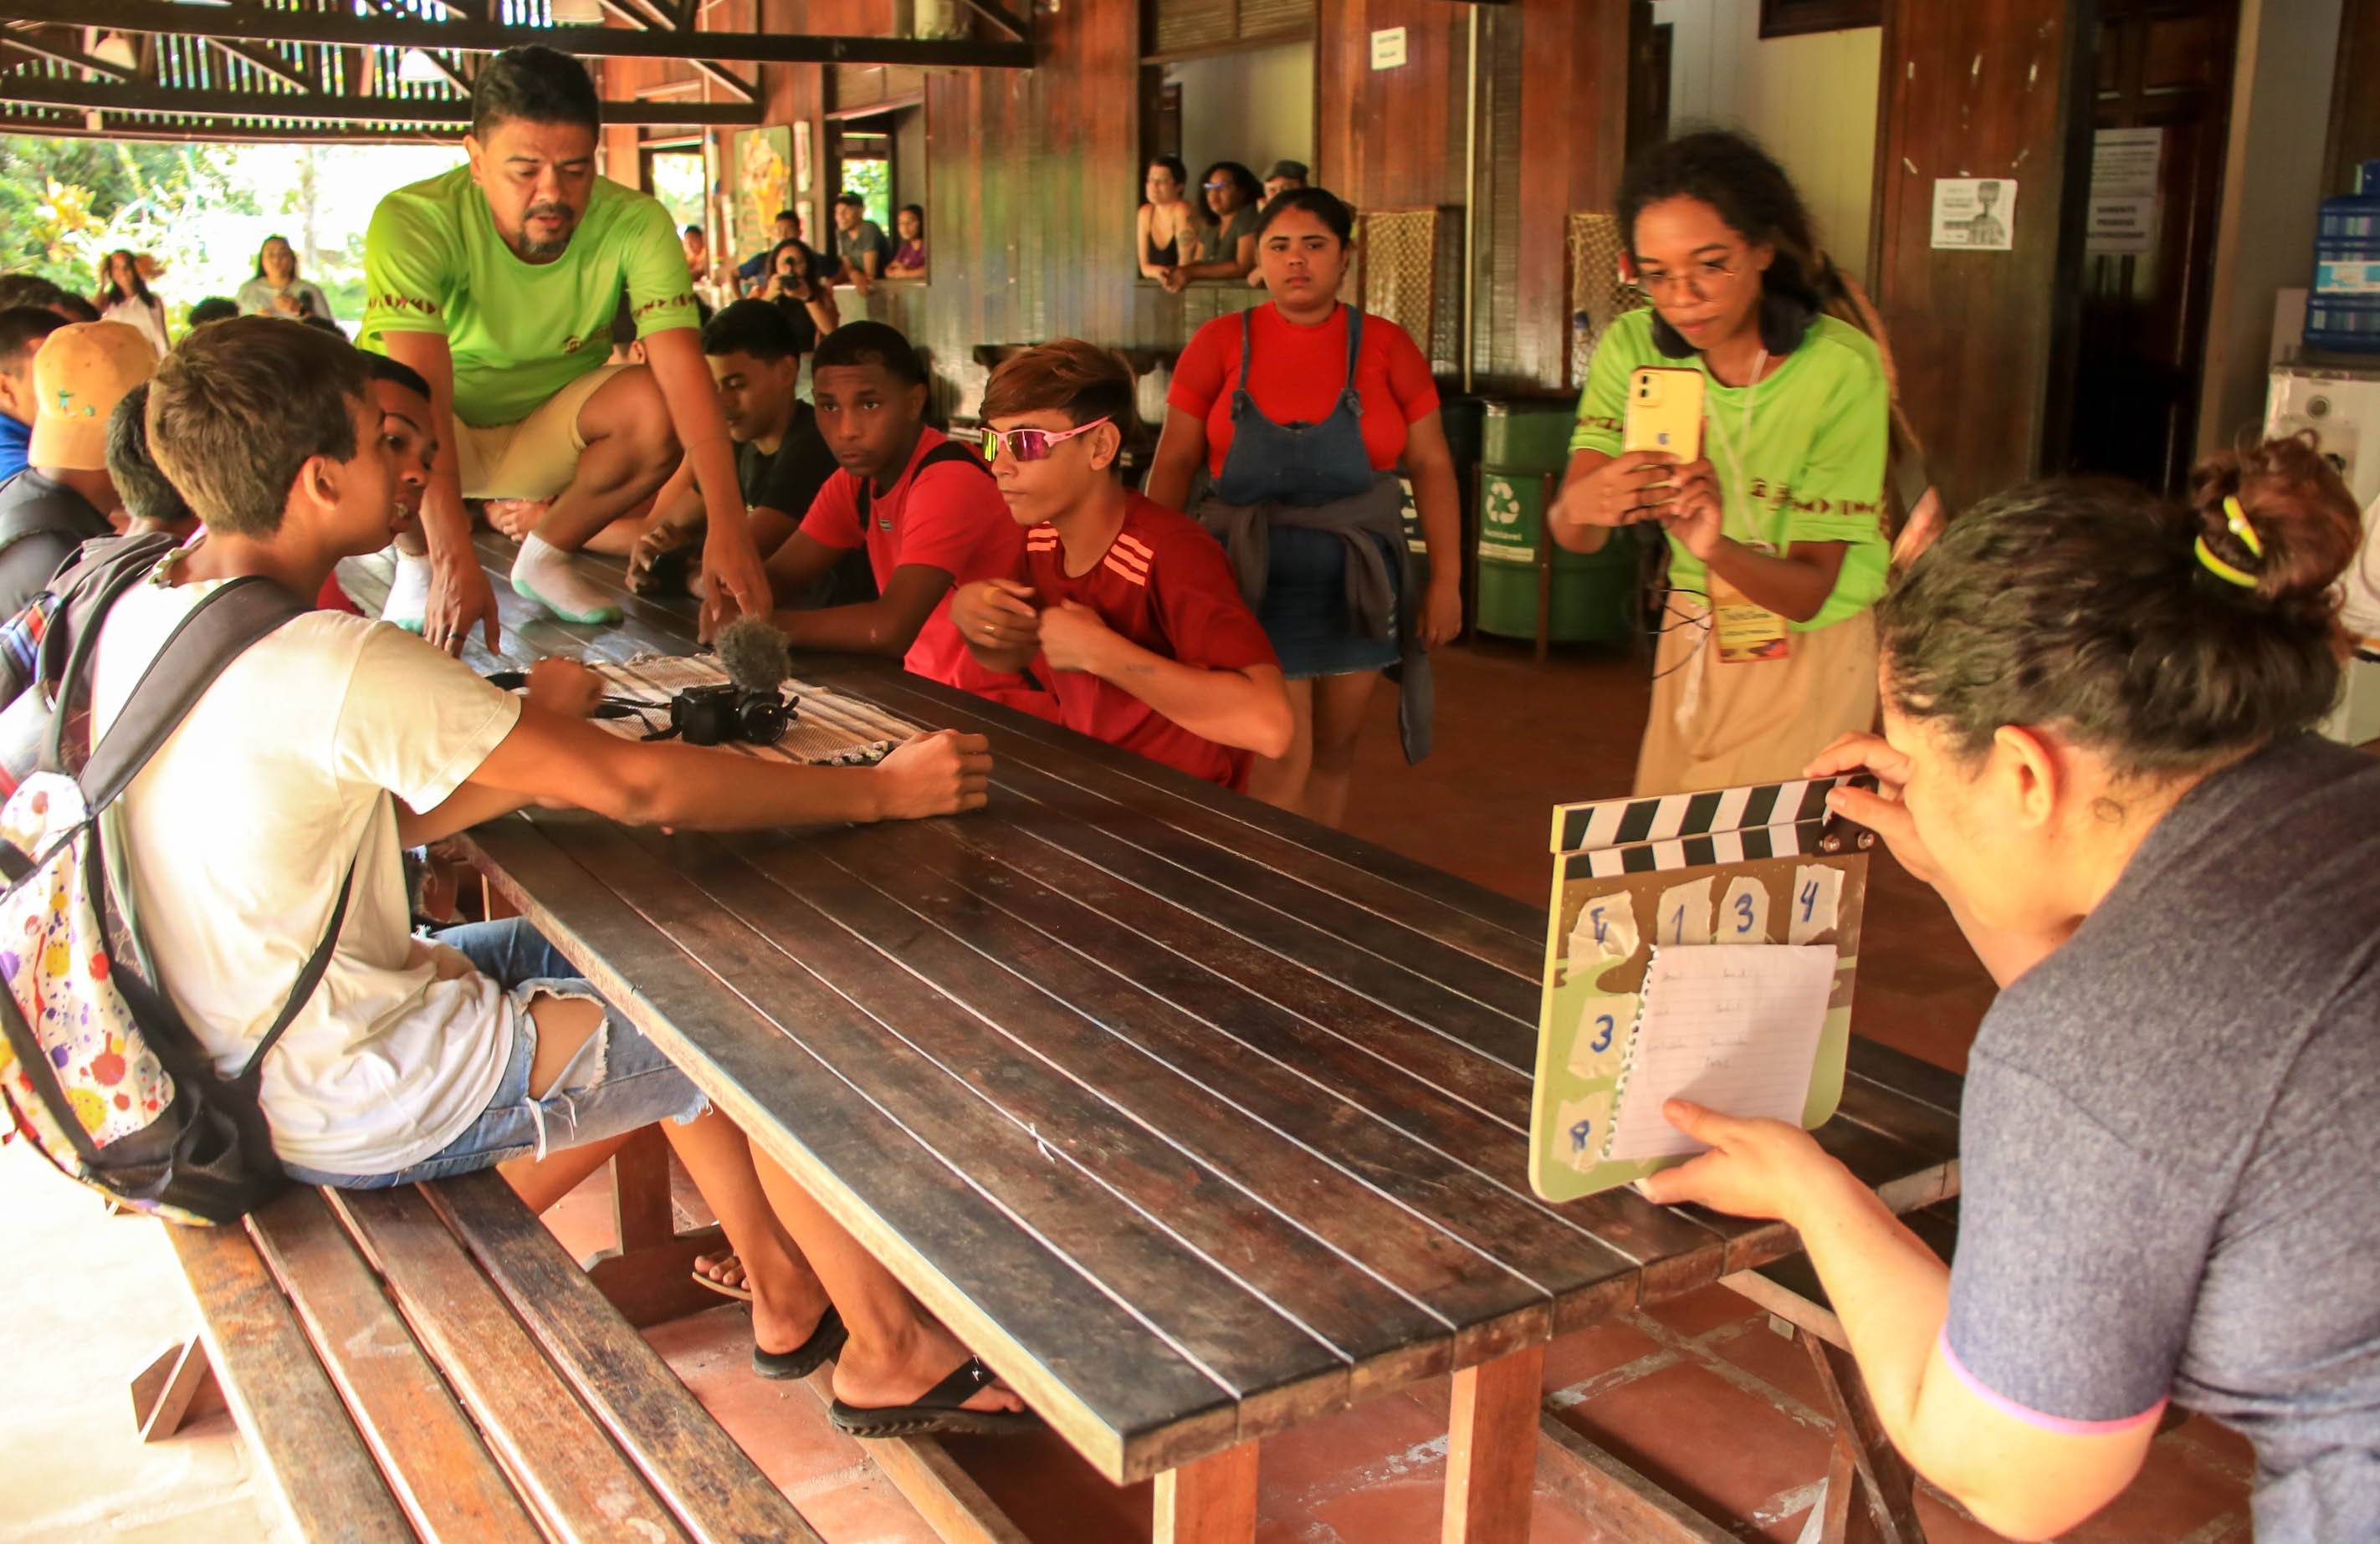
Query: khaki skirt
x=1717 y=726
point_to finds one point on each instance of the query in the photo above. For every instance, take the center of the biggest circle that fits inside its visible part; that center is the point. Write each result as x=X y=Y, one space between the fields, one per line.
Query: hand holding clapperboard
x=1699 y=946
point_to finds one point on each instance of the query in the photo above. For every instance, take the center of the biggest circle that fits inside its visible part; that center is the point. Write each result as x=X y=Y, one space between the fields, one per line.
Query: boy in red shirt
x=924 y=506
x=1126 y=611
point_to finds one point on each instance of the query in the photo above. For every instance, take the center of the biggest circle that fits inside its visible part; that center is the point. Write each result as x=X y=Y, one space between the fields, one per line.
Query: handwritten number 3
x=1602 y=1042
x=1744 y=913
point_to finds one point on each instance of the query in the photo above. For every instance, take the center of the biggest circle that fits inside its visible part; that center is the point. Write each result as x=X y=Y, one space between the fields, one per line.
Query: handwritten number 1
x=1678 y=926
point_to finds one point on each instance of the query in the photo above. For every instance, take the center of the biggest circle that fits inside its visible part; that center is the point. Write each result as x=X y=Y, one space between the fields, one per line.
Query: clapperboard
x=1657 y=905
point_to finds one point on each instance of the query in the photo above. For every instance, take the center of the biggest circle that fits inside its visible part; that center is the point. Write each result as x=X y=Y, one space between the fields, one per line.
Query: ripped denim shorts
x=618 y=1082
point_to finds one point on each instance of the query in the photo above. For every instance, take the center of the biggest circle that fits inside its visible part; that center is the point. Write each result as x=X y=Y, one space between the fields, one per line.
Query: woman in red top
x=1300 y=411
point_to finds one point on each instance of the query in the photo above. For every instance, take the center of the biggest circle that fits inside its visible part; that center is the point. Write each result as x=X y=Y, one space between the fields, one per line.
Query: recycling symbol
x=1503 y=504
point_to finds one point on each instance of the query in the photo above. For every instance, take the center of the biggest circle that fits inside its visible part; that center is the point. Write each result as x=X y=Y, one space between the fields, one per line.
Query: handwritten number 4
x=1809 y=898
x=1579 y=1134
x=1600 y=925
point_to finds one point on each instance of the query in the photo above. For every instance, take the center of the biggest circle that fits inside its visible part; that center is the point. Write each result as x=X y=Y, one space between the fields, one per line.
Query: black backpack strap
x=217 y=631
x=88 y=589
x=948 y=450
x=308 y=979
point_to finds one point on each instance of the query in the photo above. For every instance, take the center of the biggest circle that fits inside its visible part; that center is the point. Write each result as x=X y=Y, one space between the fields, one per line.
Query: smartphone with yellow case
x=1665 y=412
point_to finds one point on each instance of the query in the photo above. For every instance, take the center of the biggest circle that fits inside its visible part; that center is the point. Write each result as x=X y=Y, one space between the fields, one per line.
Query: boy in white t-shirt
x=336 y=741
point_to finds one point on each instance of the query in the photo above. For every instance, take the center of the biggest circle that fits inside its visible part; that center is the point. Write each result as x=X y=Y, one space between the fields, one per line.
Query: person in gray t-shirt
x=2096 y=708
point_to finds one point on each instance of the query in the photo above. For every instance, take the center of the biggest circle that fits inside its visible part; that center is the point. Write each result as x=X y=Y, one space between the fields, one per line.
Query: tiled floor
x=1698 y=1392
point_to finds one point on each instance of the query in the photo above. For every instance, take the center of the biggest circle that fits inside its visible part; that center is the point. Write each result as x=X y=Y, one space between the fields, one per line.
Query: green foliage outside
x=65 y=203
x=872 y=180
x=200 y=210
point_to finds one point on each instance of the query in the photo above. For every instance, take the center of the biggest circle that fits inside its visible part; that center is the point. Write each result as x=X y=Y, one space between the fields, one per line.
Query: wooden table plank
x=1383 y=1285
x=1265 y=898
x=1491 y=927
x=1263 y=1357
x=310 y=1452
x=429 y=1450
x=560 y=1460
x=717 y=1492
x=1128 y=1402
x=931 y=995
x=1160 y=1006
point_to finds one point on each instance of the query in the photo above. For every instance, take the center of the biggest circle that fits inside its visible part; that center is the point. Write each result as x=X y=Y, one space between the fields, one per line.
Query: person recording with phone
x=798 y=288
x=1776 y=540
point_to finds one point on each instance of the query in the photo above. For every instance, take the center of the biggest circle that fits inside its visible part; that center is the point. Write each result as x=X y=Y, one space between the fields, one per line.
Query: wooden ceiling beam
x=264 y=59
x=309 y=107
x=22 y=35
x=257 y=23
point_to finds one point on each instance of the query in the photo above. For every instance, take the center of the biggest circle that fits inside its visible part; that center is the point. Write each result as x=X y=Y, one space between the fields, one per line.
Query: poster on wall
x=802 y=156
x=1974 y=214
x=763 y=183
x=2124 y=165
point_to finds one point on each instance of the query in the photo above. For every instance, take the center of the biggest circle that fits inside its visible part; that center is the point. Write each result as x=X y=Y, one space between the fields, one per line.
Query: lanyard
x=1735 y=450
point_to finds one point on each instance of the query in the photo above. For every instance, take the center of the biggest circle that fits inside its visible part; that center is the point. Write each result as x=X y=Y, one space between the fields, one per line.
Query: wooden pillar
x=1983 y=88
x=1210 y=1502
x=1491 y=1451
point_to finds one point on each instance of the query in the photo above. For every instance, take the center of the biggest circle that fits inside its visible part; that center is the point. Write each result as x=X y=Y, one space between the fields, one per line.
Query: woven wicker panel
x=861 y=85
x=1409 y=261
x=1597 y=296
x=1193 y=23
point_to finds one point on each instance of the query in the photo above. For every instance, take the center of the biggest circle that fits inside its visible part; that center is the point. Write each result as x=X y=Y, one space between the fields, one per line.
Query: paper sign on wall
x=2124 y=161
x=2122 y=226
x=1976 y=213
x=1388 y=48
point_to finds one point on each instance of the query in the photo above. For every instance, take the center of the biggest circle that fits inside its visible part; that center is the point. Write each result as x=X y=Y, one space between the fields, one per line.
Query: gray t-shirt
x=2171 y=1145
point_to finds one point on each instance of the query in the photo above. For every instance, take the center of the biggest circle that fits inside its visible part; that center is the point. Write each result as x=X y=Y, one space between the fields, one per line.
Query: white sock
x=409 y=592
x=542 y=573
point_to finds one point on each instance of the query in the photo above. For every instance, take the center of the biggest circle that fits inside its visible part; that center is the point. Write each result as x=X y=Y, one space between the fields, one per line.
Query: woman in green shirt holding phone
x=1777 y=541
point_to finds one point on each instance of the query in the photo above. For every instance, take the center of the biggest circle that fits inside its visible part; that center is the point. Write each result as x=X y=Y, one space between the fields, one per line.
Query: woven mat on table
x=827 y=727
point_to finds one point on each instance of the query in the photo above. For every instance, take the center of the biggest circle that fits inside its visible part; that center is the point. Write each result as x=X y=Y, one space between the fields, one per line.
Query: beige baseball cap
x=80 y=373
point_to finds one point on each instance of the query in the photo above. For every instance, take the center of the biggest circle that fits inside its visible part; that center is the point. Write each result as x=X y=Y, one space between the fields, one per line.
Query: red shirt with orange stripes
x=1165 y=584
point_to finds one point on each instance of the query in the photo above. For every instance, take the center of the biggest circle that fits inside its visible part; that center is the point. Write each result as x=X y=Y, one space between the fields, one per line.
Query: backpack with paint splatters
x=97 y=1067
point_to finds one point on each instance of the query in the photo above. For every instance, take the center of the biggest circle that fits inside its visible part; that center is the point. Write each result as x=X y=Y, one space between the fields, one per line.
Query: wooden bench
x=427 y=1362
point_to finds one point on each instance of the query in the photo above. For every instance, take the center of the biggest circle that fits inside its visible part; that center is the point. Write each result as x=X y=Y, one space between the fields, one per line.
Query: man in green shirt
x=498 y=282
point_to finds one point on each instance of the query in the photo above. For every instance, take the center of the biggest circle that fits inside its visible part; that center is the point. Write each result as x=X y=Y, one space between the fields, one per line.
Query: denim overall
x=1303 y=609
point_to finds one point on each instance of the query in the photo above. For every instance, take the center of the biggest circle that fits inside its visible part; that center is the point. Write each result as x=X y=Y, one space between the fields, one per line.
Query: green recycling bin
x=1593 y=595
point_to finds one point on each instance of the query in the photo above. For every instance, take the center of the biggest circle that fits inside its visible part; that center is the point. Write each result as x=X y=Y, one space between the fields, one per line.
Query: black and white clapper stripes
x=1687 y=830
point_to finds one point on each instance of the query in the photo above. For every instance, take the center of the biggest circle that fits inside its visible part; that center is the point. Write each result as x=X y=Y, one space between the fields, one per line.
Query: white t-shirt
x=2361 y=610
x=236 y=836
x=147 y=318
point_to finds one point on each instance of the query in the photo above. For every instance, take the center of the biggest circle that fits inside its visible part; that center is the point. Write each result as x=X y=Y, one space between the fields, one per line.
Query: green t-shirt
x=520 y=331
x=1809 y=467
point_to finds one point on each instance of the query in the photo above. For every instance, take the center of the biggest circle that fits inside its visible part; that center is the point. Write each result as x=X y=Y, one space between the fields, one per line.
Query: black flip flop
x=940 y=1411
x=804 y=1358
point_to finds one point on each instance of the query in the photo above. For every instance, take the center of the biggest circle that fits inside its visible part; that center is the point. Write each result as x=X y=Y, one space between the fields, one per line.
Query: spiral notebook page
x=1734 y=1027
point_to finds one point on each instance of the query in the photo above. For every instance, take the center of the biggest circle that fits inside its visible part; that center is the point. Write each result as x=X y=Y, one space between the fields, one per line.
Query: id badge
x=1746 y=631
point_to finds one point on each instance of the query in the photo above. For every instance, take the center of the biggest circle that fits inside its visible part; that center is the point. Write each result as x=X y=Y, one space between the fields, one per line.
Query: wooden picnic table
x=1197 y=1119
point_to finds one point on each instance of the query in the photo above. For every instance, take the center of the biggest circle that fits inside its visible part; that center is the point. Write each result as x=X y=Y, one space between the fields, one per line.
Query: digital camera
x=727 y=714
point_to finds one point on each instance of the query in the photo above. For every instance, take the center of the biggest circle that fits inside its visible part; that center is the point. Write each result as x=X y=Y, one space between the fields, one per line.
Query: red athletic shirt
x=1300 y=372
x=948 y=517
x=1165 y=585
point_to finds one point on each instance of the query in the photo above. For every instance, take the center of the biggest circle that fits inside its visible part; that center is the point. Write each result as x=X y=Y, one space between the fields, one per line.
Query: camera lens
x=765 y=719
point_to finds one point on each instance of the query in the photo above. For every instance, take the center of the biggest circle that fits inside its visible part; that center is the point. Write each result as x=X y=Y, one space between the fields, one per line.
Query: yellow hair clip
x=2236 y=519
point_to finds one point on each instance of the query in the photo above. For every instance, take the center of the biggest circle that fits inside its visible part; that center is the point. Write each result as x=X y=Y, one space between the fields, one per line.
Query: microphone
x=754 y=655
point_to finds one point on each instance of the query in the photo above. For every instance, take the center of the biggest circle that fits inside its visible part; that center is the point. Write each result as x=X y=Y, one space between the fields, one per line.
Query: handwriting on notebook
x=1731 y=1026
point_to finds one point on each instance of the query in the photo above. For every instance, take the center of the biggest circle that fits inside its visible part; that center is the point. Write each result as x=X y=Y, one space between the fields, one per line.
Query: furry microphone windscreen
x=753 y=654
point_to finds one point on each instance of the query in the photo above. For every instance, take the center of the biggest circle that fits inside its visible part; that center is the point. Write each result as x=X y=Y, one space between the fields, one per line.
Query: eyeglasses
x=1028 y=445
x=1703 y=281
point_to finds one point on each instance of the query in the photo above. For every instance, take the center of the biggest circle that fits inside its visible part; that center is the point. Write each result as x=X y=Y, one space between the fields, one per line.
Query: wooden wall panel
x=1985 y=88
x=2355 y=100
x=1573 y=127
